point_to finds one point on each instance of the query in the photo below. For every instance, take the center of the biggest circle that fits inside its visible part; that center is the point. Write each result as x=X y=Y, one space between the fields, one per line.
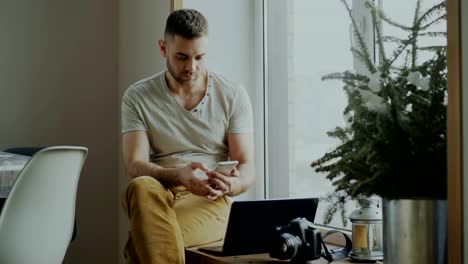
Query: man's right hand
x=196 y=184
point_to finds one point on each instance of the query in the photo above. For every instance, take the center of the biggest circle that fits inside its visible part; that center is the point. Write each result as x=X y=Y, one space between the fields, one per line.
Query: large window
x=304 y=41
x=301 y=107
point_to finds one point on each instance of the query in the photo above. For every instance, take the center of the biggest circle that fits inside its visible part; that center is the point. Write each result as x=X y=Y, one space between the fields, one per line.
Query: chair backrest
x=36 y=222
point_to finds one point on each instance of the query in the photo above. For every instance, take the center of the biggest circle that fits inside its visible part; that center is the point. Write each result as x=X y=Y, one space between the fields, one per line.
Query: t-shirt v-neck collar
x=199 y=106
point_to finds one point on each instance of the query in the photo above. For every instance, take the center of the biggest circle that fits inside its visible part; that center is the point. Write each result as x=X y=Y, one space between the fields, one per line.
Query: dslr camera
x=299 y=242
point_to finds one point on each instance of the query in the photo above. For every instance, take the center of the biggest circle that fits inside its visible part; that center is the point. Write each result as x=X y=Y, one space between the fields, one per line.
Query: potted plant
x=394 y=141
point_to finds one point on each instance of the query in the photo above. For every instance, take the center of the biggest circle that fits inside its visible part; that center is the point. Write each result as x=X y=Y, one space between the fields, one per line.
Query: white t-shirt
x=179 y=136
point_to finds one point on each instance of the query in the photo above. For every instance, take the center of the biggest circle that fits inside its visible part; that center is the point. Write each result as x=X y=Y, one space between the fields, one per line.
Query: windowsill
x=194 y=256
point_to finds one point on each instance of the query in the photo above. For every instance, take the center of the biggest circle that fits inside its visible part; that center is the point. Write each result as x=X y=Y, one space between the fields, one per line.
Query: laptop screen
x=251 y=223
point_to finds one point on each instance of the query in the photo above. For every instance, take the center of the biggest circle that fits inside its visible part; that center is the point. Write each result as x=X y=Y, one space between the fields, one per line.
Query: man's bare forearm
x=246 y=178
x=168 y=177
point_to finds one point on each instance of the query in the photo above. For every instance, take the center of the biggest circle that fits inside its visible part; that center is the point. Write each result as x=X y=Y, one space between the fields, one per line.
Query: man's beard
x=180 y=79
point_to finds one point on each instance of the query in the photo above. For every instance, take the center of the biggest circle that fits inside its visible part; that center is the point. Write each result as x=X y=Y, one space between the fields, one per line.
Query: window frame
x=278 y=133
x=279 y=130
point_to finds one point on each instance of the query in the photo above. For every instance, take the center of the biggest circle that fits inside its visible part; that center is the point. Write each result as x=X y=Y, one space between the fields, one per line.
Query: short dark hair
x=188 y=23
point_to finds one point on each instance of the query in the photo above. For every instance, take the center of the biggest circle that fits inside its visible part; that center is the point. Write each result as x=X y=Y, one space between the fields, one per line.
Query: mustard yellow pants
x=163 y=223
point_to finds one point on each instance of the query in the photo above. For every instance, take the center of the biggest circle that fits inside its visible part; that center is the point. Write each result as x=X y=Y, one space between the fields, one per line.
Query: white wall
x=235 y=51
x=58 y=72
x=141 y=24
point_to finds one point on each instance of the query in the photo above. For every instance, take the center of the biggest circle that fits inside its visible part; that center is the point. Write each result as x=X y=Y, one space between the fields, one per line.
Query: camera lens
x=285 y=246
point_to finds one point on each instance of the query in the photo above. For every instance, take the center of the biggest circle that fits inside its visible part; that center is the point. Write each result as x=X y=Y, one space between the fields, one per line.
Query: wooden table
x=194 y=256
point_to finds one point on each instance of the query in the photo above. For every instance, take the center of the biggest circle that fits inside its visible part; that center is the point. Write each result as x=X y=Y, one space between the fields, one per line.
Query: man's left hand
x=228 y=184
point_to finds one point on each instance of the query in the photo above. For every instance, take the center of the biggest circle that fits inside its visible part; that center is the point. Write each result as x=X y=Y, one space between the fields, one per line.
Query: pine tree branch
x=435 y=21
x=396 y=53
x=393 y=23
x=436 y=9
x=393 y=39
x=433 y=34
x=433 y=48
x=364 y=58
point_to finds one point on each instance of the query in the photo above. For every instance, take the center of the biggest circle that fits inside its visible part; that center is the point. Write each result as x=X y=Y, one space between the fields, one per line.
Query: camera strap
x=338 y=253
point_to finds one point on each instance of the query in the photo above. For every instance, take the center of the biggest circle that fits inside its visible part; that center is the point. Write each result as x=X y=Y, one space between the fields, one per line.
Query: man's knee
x=144 y=183
x=141 y=187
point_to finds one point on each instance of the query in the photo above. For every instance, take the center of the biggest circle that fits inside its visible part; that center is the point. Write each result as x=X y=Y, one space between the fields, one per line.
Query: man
x=176 y=126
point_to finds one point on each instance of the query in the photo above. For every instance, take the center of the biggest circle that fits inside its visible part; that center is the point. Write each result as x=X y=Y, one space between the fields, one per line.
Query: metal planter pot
x=415 y=231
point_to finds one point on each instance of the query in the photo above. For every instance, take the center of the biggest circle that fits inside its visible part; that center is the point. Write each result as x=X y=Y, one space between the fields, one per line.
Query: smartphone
x=225 y=167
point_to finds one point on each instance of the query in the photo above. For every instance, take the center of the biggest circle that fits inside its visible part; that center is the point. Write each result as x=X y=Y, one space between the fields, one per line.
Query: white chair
x=36 y=222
